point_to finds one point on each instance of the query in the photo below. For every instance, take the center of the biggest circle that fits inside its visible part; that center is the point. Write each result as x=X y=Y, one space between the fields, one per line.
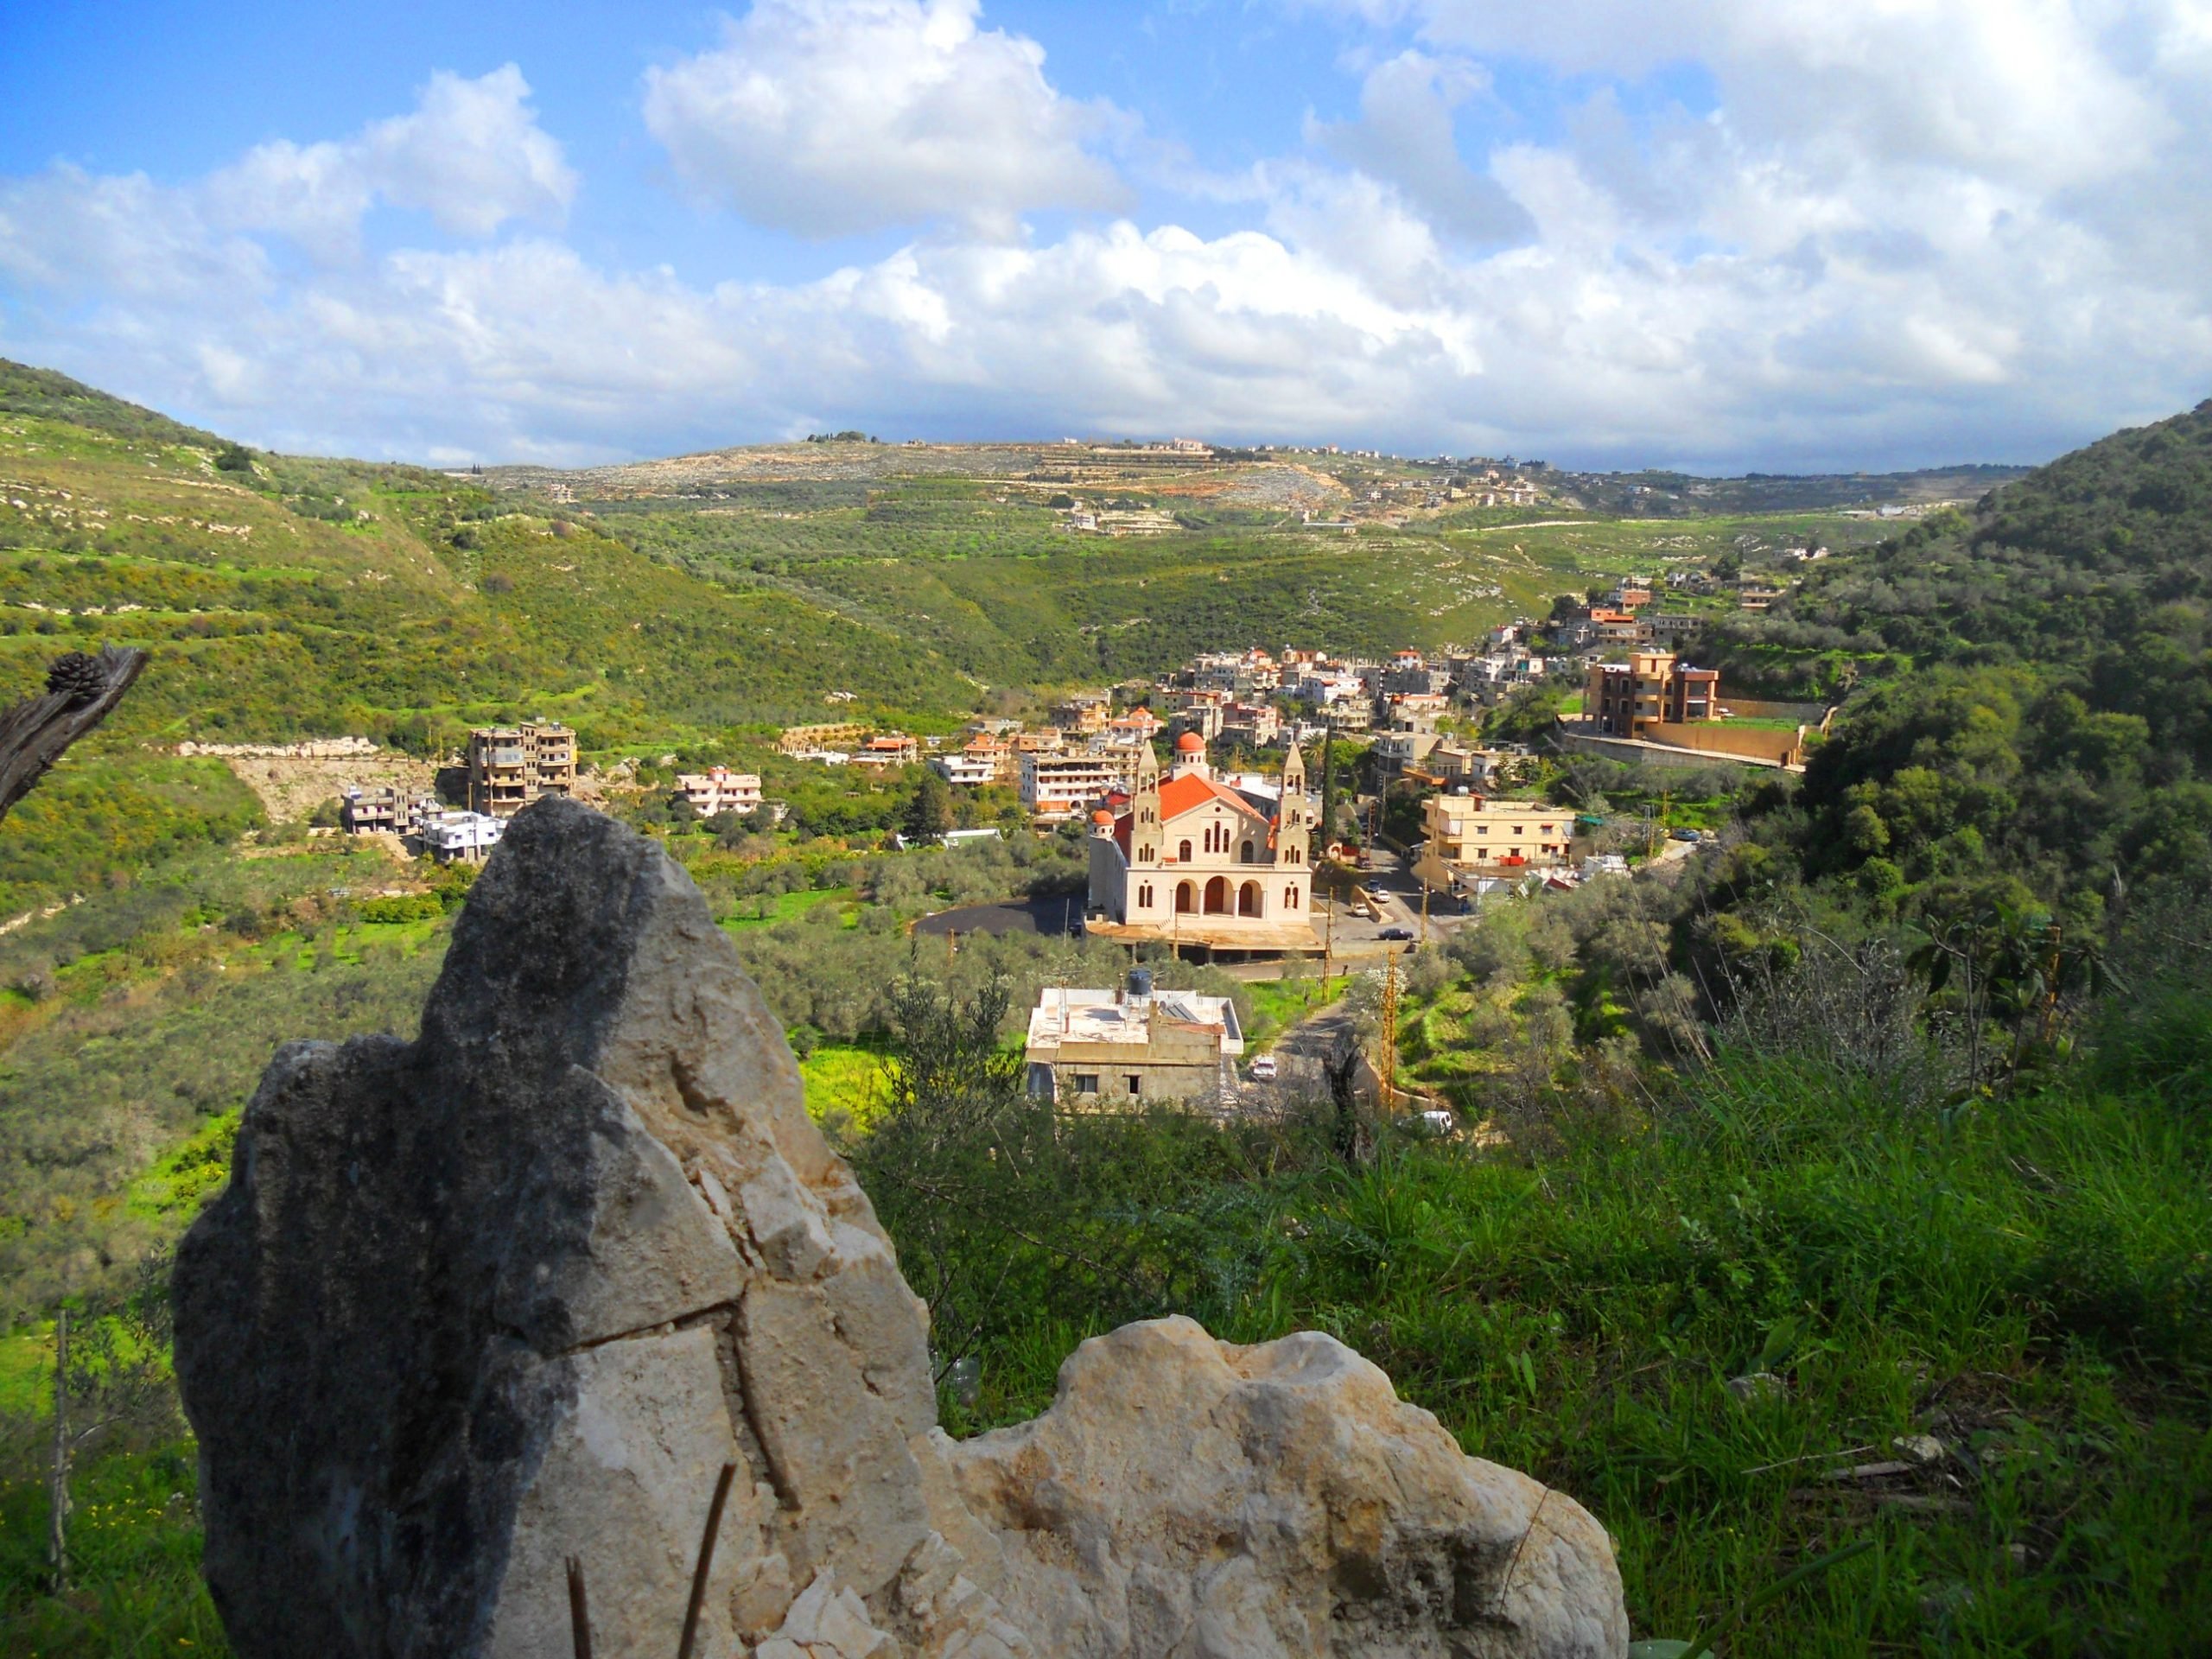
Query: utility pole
x=1328 y=943
x=1424 y=910
x=1387 y=1062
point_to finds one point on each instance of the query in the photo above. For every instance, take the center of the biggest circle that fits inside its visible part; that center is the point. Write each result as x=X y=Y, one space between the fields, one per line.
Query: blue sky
x=1685 y=233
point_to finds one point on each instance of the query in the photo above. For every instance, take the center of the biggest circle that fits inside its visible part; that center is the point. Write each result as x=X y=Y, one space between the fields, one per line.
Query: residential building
x=718 y=790
x=462 y=837
x=967 y=838
x=1083 y=713
x=370 y=811
x=1456 y=763
x=1404 y=747
x=1126 y=731
x=965 y=769
x=1055 y=787
x=1467 y=831
x=1198 y=860
x=1251 y=725
x=1652 y=688
x=1410 y=672
x=887 y=749
x=510 y=766
x=1671 y=629
x=1122 y=1048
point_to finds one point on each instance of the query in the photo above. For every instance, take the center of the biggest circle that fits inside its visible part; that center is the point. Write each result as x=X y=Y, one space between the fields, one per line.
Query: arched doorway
x=1217 y=896
x=1248 y=900
x=1186 y=899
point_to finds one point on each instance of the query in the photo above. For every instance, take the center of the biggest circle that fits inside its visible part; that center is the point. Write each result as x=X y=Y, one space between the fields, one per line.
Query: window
x=1184 y=853
x=1136 y=1085
x=1144 y=897
x=1244 y=853
x=1086 y=1083
x=1290 y=898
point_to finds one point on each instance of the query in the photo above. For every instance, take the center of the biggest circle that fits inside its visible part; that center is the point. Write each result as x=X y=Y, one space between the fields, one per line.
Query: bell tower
x=1144 y=809
x=1293 y=813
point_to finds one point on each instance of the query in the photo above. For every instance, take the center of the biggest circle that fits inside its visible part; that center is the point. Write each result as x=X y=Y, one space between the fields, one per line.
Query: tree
x=929 y=813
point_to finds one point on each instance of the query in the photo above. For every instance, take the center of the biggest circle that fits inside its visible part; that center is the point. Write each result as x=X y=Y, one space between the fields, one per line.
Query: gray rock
x=519 y=1291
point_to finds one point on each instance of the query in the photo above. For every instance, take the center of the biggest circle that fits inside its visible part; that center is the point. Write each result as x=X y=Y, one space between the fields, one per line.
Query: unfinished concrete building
x=510 y=766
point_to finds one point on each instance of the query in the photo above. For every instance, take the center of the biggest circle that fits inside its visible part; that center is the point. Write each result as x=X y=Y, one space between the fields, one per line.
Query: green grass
x=1279 y=1004
x=2026 y=1282
x=765 y=909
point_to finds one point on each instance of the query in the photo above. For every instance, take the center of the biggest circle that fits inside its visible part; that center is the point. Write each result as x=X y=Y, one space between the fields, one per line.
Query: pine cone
x=76 y=676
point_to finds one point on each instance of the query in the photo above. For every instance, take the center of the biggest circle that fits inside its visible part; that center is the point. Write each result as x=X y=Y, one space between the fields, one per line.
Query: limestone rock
x=517 y=1292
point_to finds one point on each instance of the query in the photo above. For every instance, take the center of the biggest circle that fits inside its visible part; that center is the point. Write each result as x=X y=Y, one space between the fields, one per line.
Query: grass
x=2024 y=1281
x=1279 y=1004
x=765 y=909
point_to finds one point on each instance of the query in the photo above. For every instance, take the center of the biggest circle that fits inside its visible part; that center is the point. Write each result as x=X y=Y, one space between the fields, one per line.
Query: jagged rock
x=519 y=1291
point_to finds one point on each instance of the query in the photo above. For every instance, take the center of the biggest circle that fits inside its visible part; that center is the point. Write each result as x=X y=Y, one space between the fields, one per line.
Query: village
x=1252 y=808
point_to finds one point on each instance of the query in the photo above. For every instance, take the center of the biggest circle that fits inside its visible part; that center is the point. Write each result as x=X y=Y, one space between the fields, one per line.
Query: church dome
x=1102 y=817
x=1190 y=743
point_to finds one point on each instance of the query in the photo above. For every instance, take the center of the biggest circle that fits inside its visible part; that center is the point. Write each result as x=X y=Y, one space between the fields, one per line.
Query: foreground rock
x=518 y=1292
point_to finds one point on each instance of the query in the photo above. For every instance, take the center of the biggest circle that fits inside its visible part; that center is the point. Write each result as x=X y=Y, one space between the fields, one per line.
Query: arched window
x=1144 y=897
x=1290 y=898
x=1186 y=898
x=1184 y=853
x=1244 y=853
x=1217 y=896
x=1144 y=855
x=1248 y=900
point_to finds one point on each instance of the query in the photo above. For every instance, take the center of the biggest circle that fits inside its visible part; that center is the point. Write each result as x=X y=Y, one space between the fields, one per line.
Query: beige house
x=1055 y=787
x=1121 y=1049
x=1468 y=832
x=719 y=789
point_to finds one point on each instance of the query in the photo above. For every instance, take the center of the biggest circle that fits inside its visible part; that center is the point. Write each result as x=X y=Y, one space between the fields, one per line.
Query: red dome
x=1190 y=743
x=1102 y=817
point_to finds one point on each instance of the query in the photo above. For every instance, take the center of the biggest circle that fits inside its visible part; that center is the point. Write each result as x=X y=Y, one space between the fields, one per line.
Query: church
x=1198 y=860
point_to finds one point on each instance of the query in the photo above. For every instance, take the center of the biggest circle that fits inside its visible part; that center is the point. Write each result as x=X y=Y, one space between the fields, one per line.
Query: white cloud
x=1770 y=282
x=471 y=155
x=1404 y=138
x=841 y=115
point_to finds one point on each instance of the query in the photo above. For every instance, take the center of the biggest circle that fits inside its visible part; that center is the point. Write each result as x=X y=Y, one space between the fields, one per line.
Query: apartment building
x=1468 y=831
x=370 y=811
x=1056 y=787
x=966 y=770
x=510 y=766
x=1652 y=688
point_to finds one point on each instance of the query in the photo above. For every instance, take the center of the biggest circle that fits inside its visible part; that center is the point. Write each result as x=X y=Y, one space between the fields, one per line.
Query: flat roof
x=1066 y=1016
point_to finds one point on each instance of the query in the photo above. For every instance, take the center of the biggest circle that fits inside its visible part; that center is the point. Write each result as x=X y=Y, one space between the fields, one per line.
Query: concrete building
x=1056 y=787
x=1196 y=860
x=1651 y=689
x=719 y=789
x=965 y=769
x=1469 y=832
x=887 y=749
x=370 y=811
x=510 y=766
x=462 y=837
x=1118 y=1049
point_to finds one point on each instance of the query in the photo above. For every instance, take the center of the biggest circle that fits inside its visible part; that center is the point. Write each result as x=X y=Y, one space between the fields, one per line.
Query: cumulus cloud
x=841 y=115
x=1404 y=138
x=471 y=155
x=1772 y=278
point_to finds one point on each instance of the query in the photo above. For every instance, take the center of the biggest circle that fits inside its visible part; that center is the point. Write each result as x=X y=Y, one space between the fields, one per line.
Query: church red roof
x=1190 y=790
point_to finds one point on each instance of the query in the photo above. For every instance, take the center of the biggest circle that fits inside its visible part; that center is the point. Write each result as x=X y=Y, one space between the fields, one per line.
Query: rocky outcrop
x=519 y=1292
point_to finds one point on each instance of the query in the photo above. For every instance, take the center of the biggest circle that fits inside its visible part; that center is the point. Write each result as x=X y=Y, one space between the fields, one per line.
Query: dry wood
x=79 y=692
x=578 y=1610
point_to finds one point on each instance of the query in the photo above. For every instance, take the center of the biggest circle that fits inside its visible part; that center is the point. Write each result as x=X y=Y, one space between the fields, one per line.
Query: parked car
x=1262 y=1070
x=1687 y=835
x=1396 y=933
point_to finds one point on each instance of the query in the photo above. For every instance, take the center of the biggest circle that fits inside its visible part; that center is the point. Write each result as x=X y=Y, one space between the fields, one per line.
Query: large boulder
x=516 y=1294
